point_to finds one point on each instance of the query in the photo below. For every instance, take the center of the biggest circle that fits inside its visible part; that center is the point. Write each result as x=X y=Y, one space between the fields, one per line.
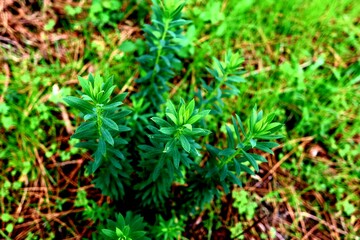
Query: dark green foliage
x=173 y=148
x=163 y=38
x=103 y=123
x=227 y=76
x=167 y=148
x=129 y=228
x=227 y=164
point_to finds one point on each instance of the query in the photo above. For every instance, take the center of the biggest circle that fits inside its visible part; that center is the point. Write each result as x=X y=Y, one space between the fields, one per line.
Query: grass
x=302 y=62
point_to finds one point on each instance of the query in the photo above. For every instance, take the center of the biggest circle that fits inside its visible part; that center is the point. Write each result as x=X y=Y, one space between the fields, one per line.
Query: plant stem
x=217 y=86
x=98 y=119
x=158 y=54
x=237 y=152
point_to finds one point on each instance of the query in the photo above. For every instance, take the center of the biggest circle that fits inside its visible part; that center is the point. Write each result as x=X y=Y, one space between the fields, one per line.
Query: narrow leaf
x=185 y=143
x=80 y=104
x=176 y=158
x=110 y=123
x=107 y=136
x=251 y=160
x=230 y=138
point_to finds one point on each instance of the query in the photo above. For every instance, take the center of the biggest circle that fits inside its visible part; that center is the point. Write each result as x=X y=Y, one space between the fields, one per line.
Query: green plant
x=105 y=12
x=173 y=142
x=164 y=39
x=300 y=63
x=170 y=229
x=226 y=75
x=244 y=204
x=129 y=228
x=103 y=123
x=171 y=149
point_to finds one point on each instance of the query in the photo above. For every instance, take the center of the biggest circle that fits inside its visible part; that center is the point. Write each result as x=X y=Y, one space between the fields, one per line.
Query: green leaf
x=230 y=138
x=220 y=66
x=185 y=143
x=194 y=119
x=123 y=128
x=223 y=173
x=115 y=163
x=49 y=25
x=161 y=122
x=118 y=153
x=97 y=85
x=234 y=179
x=118 y=232
x=170 y=108
x=251 y=160
x=259 y=115
x=168 y=130
x=179 y=22
x=182 y=117
x=127 y=46
x=258 y=157
x=89 y=116
x=236 y=79
x=158 y=168
x=119 y=98
x=85 y=85
x=85 y=133
x=110 y=123
x=236 y=128
x=109 y=233
x=188 y=126
x=198 y=116
x=91 y=79
x=246 y=169
x=227 y=152
x=80 y=104
x=240 y=124
x=106 y=95
x=173 y=118
x=138 y=235
x=348 y=208
x=5 y=217
x=195 y=132
x=204 y=113
x=237 y=166
x=252 y=120
x=112 y=106
x=97 y=161
x=269 y=137
x=190 y=107
x=253 y=143
x=273 y=127
x=107 y=136
x=9 y=227
x=121 y=114
x=102 y=147
x=176 y=157
x=170 y=146
x=264 y=147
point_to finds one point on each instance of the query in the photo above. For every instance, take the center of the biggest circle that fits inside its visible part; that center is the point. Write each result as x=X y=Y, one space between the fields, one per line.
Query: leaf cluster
x=163 y=38
x=163 y=147
x=227 y=75
x=100 y=132
x=173 y=144
x=227 y=164
x=129 y=228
